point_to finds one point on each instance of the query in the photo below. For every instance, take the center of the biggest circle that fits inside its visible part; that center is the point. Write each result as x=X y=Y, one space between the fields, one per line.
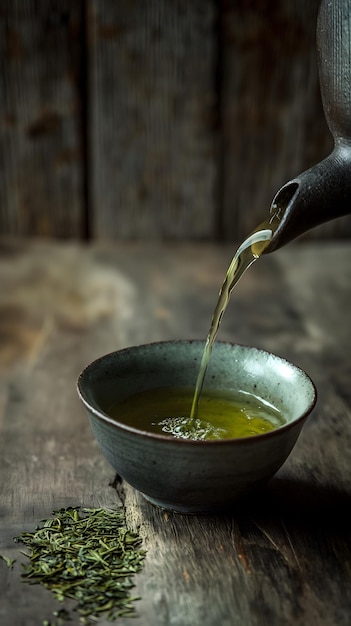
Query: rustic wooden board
x=41 y=159
x=282 y=559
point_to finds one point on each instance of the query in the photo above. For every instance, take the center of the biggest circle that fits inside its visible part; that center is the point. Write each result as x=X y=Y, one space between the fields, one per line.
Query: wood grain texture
x=40 y=118
x=281 y=559
x=152 y=159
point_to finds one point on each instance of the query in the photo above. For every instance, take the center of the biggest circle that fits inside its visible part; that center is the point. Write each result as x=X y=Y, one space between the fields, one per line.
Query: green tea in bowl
x=166 y=411
x=198 y=474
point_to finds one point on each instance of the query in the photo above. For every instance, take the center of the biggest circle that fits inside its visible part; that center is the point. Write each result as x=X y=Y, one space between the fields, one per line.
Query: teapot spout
x=320 y=194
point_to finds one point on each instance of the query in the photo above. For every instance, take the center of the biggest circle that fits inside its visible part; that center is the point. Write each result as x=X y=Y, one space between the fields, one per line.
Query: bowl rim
x=104 y=417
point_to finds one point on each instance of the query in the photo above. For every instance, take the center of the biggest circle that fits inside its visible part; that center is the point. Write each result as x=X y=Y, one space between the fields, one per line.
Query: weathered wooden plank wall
x=40 y=118
x=136 y=119
x=153 y=107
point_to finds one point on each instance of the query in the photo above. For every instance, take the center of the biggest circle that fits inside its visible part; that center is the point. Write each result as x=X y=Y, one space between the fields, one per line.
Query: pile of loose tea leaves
x=89 y=556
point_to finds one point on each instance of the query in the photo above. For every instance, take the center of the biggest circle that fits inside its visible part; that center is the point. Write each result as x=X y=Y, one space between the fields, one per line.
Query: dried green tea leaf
x=90 y=558
x=9 y=562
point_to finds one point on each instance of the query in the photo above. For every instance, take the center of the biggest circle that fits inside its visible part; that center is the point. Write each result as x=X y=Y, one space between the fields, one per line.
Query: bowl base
x=188 y=509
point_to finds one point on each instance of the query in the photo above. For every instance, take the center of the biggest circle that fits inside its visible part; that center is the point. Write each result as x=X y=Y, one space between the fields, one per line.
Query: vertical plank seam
x=218 y=226
x=86 y=233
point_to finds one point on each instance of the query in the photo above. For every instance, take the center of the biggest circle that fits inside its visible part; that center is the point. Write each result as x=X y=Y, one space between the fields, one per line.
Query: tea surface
x=219 y=416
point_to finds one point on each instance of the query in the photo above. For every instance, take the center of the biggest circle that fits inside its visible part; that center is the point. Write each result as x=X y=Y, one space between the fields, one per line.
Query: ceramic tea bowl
x=194 y=476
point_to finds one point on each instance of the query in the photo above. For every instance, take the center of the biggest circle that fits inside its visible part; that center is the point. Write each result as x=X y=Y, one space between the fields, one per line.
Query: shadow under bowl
x=194 y=476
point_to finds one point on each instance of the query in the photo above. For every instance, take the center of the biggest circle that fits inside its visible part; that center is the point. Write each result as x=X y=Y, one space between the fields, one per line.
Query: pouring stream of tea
x=248 y=252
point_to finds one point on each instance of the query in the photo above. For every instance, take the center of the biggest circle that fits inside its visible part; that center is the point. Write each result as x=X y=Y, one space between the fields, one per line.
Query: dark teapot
x=323 y=192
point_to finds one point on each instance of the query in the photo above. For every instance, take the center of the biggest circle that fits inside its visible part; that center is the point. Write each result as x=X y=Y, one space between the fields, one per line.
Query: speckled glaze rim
x=188 y=442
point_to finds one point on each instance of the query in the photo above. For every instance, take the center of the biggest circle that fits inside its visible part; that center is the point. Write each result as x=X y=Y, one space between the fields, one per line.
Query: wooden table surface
x=282 y=558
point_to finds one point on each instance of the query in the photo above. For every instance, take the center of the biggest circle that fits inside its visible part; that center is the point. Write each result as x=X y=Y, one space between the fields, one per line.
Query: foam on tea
x=219 y=416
